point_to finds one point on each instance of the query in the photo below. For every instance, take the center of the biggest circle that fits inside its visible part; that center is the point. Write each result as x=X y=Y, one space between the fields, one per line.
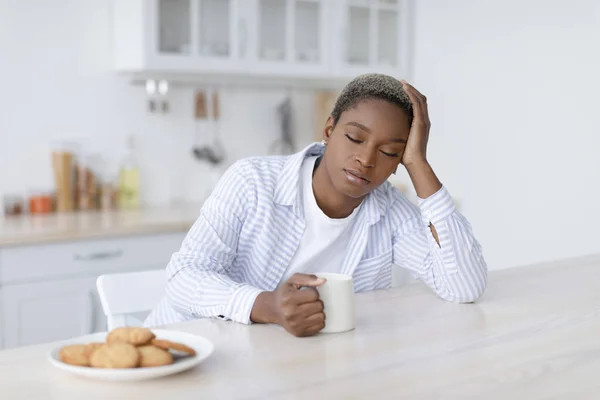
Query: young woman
x=272 y=222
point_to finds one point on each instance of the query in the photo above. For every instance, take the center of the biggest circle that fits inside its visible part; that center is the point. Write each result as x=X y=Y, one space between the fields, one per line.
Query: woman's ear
x=328 y=130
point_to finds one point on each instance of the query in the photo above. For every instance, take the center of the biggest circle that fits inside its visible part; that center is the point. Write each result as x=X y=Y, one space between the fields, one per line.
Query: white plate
x=204 y=348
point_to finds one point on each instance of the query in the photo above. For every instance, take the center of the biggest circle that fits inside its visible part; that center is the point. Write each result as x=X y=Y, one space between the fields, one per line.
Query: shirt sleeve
x=455 y=269
x=200 y=275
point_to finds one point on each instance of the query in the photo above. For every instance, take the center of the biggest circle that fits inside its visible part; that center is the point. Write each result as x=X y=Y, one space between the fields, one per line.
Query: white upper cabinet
x=171 y=36
x=290 y=37
x=374 y=37
x=318 y=40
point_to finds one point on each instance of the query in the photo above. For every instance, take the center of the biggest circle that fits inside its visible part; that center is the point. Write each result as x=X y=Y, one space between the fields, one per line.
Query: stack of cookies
x=124 y=348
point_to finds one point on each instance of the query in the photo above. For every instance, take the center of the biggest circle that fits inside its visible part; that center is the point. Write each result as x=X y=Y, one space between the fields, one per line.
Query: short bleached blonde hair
x=368 y=87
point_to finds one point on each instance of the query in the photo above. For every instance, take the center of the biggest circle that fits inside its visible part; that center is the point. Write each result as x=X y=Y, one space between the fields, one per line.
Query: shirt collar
x=287 y=191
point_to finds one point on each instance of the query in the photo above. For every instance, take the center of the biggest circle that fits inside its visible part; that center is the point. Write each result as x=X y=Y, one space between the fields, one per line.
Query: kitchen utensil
x=208 y=106
x=285 y=144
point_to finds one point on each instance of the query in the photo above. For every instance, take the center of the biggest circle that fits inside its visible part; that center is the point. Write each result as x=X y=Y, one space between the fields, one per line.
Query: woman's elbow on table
x=475 y=288
x=467 y=286
x=473 y=295
x=462 y=298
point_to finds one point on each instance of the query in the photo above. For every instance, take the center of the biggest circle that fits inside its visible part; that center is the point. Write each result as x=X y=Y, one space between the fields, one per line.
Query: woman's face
x=365 y=147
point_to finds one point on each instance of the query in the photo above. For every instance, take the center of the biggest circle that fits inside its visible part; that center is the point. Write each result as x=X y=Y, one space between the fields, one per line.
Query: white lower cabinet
x=48 y=291
x=35 y=313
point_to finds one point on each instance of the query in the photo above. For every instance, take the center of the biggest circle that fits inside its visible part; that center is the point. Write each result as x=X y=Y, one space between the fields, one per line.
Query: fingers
x=300 y=325
x=301 y=310
x=313 y=330
x=414 y=97
x=307 y=295
x=308 y=309
x=407 y=86
x=311 y=325
x=301 y=280
x=418 y=100
x=315 y=319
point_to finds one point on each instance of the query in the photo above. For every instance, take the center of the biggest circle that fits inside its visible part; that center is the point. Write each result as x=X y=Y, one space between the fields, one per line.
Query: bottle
x=129 y=179
x=64 y=175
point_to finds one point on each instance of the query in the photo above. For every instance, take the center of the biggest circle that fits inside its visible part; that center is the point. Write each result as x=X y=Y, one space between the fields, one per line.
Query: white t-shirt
x=325 y=240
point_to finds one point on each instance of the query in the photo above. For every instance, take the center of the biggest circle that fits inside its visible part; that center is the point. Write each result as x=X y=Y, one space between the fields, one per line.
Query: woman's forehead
x=376 y=115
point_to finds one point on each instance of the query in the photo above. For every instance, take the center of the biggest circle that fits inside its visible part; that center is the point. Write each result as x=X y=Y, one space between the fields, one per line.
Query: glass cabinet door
x=372 y=33
x=387 y=33
x=359 y=32
x=272 y=32
x=174 y=26
x=308 y=17
x=214 y=28
x=290 y=31
x=195 y=27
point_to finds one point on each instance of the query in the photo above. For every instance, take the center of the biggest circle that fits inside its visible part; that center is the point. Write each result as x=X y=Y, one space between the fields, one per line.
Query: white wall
x=56 y=83
x=512 y=88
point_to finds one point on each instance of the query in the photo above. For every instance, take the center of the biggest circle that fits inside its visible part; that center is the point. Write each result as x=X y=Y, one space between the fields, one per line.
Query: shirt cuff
x=242 y=301
x=436 y=207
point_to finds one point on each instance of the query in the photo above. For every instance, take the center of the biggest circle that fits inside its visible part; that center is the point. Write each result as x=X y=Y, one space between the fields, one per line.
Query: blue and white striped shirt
x=253 y=222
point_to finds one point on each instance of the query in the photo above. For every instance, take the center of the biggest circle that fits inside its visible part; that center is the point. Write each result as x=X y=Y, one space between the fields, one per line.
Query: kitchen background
x=512 y=89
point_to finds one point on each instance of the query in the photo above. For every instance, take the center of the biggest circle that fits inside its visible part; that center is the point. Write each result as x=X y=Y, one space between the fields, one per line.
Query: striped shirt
x=252 y=223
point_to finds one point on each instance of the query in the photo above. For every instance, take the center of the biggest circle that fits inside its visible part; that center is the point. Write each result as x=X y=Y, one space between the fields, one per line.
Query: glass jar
x=14 y=204
x=41 y=202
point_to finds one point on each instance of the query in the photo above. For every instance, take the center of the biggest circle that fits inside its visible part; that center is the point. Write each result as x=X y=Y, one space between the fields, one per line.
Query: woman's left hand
x=416 y=147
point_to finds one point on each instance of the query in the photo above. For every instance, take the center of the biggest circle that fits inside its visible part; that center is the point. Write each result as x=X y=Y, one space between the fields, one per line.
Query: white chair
x=124 y=294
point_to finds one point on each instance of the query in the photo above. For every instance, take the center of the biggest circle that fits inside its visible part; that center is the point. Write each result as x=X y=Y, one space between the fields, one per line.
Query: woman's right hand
x=295 y=306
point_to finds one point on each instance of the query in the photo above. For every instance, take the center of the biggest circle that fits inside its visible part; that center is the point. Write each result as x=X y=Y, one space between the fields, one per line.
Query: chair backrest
x=126 y=293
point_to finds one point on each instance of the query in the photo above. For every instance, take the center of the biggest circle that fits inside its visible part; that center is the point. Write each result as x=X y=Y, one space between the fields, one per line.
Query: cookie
x=91 y=347
x=152 y=356
x=75 y=354
x=115 y=355
x=168 y=345
x=133 y=336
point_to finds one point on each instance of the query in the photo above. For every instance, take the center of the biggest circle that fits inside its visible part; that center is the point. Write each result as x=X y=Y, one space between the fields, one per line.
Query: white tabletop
x=535 y=334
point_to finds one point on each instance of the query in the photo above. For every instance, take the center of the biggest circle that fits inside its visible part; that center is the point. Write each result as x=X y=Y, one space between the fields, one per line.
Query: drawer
x=87 y=257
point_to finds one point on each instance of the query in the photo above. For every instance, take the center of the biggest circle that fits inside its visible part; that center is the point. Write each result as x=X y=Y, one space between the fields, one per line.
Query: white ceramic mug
x=337 y=295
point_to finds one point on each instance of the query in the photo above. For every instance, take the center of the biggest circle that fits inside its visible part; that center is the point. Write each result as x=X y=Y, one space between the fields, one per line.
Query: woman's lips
x=356 y=178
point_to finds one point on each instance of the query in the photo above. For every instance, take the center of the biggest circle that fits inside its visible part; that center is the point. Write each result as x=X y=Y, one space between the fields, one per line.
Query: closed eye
x=391 y=154
x=352 y=139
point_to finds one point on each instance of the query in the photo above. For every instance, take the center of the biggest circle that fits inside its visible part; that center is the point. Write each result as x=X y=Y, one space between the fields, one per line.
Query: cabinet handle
x=101 y=255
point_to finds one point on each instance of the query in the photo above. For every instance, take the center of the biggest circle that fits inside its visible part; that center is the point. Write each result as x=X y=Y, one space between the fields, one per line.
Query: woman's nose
x=366 y=157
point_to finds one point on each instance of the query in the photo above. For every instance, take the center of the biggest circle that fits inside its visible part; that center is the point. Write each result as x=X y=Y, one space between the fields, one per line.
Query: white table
x=535 y=334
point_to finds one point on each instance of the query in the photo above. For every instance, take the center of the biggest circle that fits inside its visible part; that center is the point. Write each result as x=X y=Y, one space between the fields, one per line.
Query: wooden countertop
x=534 y=335
x=38 y=229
